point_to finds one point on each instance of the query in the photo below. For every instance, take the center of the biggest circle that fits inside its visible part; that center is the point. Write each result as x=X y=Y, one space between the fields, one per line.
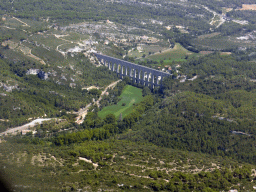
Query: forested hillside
x=122 y=12
x=68 y=123
x=33 y=97
x=194 y=122
x=119 y=166
x=212 y=114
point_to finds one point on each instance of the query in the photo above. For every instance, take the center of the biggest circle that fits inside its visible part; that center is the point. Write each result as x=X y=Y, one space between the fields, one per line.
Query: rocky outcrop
x=72 y=85
x=8 y=88
x=43 y=75
x=32 y=72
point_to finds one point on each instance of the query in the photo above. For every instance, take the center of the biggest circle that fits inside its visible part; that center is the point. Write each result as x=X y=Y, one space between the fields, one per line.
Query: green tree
x=95 y=92
x=146 y=91
x=110 y=119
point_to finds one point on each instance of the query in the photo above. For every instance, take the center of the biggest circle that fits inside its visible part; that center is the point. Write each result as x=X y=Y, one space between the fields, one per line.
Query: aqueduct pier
x=138 y=73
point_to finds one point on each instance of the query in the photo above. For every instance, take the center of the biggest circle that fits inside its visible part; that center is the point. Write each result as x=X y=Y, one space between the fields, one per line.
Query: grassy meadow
x=178 y=53
x=130 y=96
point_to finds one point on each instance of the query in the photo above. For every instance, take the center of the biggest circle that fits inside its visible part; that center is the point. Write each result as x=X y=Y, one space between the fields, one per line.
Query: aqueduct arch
x=138 y=73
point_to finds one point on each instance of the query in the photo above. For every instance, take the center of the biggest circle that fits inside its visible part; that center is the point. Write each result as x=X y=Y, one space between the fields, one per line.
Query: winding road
x=221 y=21
x=26 y=126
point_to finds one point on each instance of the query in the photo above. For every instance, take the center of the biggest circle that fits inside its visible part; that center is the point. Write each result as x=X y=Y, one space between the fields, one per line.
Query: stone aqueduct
x=139 y=74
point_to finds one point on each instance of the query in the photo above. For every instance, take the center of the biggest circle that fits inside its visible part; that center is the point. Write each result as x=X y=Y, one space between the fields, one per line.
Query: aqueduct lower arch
x=140 y=74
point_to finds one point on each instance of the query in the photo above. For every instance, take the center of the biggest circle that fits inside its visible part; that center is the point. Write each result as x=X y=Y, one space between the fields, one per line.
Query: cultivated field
x=248 y=7
x=130 y=96
x=178 y=53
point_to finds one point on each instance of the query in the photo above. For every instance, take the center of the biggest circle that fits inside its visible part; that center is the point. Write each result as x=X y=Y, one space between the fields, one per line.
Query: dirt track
x=83 y=112
x=26 y=126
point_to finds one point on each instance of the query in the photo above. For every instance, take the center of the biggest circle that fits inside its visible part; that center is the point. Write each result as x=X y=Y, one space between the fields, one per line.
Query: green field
x=219 y=42
x=130 y=96
x=75 y=37
x=178 y=53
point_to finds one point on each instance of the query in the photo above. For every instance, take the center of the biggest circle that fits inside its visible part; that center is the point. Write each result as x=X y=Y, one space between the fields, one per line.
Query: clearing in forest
x=248 y=7
x=178 y=53
x=129 y=96
x=209 y=35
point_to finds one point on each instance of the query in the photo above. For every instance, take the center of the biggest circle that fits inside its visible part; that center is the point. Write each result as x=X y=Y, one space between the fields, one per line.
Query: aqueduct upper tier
x=138 y=73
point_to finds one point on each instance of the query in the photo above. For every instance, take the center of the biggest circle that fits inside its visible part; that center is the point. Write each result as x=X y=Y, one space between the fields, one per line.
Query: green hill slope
x=196 y=122
x=130 y=96
x=118 y=166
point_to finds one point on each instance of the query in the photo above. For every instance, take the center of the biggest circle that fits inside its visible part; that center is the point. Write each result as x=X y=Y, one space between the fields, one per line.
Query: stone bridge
x=138 y=73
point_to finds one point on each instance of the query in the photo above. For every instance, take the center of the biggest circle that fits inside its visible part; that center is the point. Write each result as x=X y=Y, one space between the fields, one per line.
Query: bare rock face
x=64 y=78
x=43 y=75
x=3 y=94
x=32 y=72
x=72 y=85
x=9 y=88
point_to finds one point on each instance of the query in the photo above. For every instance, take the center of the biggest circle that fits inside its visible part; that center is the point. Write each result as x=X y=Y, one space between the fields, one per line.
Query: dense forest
x=215 y=64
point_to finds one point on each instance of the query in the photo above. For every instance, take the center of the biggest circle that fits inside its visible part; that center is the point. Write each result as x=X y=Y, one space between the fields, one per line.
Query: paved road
x=26 y=126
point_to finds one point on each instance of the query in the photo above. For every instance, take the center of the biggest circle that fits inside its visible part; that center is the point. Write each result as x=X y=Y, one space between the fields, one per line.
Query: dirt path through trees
x=83 y=112
x=21 y=21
